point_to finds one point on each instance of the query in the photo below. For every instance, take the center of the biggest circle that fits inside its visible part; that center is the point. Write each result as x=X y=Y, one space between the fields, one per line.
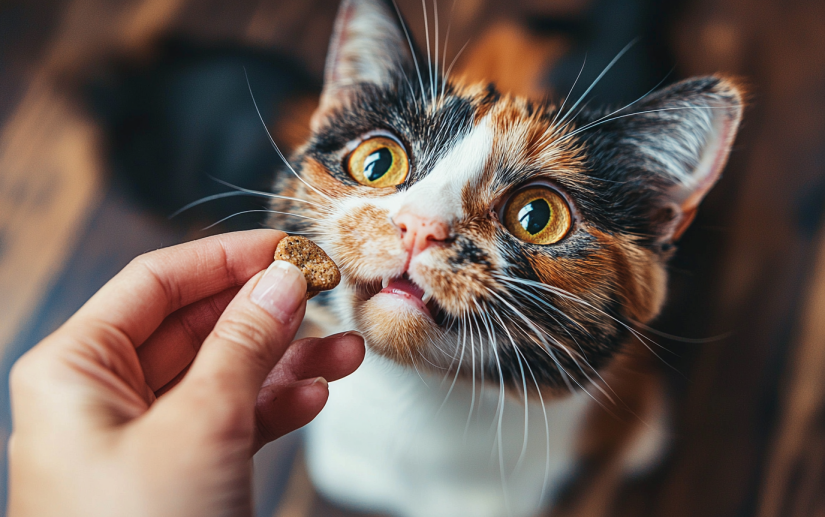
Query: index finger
x=154 y=285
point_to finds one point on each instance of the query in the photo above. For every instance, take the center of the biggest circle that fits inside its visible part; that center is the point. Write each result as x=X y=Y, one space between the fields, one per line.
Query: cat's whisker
x=680 y=339
x=444 y=58
x=538 y=333
x=415 y=366
x=566 y=376
x=435 y=67
x=473 y=371
x=427 y=37
x=452 y=63
x=575 y=82
x=491 y=342
x=275 y=146
x=253 y=212
x=571 y=353
x=427 y=360
x=499 y=406
x=524 y=390
x=627 y=105
x=463 y=339
x=267 y=194
x=594 y=124
x=547 y=304
x=409 y=43
x=448 y=327
x=223 y=195
x=555 y=309
x=546 y=427
x=443 y=352
x=561 y=131
x=564 y=294
x=599 y=78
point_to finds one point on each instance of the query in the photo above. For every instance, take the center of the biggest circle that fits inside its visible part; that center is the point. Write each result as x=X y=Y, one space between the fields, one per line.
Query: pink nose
x=418 y=233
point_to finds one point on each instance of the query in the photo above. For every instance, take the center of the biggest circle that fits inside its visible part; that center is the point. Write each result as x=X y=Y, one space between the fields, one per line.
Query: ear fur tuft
x=684 y=135
x=368 y=45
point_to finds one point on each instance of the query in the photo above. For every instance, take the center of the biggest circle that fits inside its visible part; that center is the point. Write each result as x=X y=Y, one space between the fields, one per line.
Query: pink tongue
x=402 y=285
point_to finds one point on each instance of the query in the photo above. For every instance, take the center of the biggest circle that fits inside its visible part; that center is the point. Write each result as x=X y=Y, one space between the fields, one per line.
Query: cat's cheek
x=395 y=328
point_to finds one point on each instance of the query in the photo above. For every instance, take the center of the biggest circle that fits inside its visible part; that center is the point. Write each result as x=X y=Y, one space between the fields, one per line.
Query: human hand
x=109 y=417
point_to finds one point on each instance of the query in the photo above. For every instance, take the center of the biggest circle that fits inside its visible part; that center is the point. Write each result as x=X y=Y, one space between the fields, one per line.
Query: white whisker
x=412 y=48
x=435 y=66
x=546 y=427
x=252 y=212
x=561 y=108
x=605 y=121
x=460 y=361
x=452 y=63
x=499 y=406
x=524 y=390
x=233 y=194
x=275 y=146
x=427 y=36
x=446 y=41
x=564 y=294
x=599 y=78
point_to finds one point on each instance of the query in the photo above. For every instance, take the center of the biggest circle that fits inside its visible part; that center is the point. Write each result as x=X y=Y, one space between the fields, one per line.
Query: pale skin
x=153 y=397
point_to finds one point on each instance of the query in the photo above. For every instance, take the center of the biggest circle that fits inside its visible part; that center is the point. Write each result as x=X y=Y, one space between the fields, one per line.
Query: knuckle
x=249 y=338
x=22 y=371
x=147 y=265
x=32 y=371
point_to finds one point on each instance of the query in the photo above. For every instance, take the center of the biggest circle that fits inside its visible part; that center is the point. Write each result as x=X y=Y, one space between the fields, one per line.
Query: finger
x=156 y=284
x=289 y=397
x=173 y=346
x=174 y=382
x=246 y=343
x=331 y=357
x=287 y=408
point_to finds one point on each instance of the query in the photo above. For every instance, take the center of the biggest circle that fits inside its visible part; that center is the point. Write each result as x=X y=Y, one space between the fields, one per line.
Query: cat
x=496 y=253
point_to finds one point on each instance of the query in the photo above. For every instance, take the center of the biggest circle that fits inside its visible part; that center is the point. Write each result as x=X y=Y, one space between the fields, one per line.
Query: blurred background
x=114 y=114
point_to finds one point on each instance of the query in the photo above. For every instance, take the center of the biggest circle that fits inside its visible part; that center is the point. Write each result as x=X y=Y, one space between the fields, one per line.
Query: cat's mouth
x=403 y=289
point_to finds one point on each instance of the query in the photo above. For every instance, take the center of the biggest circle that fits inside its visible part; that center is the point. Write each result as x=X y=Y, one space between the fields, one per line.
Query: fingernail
x=309 y=382
x=345 y=334
x=280 y=291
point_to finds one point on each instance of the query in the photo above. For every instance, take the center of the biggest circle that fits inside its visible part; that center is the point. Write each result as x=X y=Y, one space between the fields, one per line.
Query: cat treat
x=319 y=270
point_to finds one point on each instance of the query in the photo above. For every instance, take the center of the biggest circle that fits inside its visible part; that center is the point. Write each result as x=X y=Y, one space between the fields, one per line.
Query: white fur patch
x=384 y=443
x=438 y=195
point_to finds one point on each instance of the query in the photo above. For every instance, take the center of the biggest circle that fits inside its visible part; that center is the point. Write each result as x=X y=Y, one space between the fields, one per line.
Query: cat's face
x=491 y=236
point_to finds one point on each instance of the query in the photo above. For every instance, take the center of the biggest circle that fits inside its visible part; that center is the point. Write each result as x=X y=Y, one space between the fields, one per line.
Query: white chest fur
x=386 y=443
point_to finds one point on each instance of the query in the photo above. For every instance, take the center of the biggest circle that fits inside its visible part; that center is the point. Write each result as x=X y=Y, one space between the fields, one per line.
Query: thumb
x=248 y=340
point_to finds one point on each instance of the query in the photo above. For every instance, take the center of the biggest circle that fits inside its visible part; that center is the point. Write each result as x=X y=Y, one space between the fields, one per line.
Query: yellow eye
x=378 y=162
x=537 y=215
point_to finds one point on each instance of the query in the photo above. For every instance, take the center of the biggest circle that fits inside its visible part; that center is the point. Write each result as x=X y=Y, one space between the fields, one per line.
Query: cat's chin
x=397 y=324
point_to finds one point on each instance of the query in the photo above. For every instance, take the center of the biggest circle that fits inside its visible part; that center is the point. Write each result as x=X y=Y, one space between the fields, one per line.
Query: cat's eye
x=378 y=162
x=538 y=215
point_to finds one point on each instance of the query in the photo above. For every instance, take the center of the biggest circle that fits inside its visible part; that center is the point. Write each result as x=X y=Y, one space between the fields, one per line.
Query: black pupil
x=534 y=216
x=377 y=164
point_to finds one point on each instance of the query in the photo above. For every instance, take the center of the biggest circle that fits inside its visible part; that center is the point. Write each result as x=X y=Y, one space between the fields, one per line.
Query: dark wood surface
x=748 y=437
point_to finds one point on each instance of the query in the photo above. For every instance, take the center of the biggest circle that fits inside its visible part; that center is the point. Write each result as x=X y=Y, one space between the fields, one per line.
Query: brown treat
x=319 y=270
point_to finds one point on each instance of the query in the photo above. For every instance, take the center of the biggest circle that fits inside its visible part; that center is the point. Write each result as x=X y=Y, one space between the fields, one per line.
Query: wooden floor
x=749 y=406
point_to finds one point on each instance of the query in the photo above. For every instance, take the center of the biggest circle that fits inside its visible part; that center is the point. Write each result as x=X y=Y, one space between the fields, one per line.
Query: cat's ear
x=683 y=134
x=369 y=45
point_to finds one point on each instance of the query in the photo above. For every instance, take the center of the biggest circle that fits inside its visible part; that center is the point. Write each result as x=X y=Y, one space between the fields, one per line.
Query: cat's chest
x=391 y=440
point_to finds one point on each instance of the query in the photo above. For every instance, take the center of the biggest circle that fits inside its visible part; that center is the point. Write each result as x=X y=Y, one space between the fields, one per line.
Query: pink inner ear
x=713 y=160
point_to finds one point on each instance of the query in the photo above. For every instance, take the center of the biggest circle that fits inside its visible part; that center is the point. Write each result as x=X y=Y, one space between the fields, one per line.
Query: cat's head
x=490 y=235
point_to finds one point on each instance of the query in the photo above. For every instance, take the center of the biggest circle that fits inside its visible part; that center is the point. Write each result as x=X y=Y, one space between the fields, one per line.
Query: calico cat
x=496 y=253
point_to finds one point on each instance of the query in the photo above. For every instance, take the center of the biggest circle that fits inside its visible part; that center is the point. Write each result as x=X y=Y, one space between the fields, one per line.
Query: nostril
x=419 y=233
